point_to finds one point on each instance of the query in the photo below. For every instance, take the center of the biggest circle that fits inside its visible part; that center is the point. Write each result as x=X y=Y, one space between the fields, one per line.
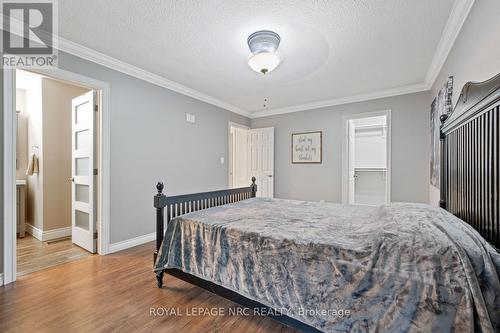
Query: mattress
x=395 y=268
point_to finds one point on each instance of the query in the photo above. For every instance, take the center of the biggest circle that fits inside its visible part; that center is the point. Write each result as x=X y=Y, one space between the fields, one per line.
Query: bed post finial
x=159 y=202
x=443 y=165
x=160 y=187
x=254 y=187
x=443 y=118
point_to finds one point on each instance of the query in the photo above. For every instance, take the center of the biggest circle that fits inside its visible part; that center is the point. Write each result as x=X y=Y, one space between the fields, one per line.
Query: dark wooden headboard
x=470 y=158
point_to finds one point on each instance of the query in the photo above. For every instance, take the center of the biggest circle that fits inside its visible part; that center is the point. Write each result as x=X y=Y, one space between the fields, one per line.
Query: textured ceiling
x=331 y=49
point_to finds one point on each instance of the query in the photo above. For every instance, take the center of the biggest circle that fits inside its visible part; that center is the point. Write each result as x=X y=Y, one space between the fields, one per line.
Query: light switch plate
x=190 y=118
x=222 y=160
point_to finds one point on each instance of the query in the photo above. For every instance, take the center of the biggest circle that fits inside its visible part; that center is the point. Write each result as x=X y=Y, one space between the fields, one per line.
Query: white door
x=261 y=160
x=83 y=208
x=230 y=158
x=240 y=155
x=351 y=171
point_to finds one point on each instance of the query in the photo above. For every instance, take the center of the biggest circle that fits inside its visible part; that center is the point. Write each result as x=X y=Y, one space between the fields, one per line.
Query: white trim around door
x=230 y=152
x=9 y=189
x=345 y=152
x=9 y=176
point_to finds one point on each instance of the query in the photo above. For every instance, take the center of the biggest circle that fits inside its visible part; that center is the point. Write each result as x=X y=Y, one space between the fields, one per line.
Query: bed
x=401 y=267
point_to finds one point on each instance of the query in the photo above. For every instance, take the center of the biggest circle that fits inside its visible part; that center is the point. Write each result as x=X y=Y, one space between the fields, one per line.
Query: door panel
x=261 y=160
x=230 y=160
x=239 y=158
x=83 y=208
x=351 y=171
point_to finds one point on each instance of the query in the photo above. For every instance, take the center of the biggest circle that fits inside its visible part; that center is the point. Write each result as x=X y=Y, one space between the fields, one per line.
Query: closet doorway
x=367 y=151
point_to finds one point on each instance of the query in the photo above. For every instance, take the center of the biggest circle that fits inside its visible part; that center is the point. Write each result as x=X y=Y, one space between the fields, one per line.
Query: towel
x=33 y=166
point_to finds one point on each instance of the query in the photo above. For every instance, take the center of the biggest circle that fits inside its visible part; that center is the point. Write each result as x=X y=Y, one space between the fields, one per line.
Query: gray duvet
x=394 y=268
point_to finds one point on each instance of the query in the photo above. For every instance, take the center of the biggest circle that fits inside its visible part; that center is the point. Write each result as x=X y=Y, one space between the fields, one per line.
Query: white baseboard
x=34 y=231
x=1 y=279
x=126 y=244
x=49 y=234
x=64 y=232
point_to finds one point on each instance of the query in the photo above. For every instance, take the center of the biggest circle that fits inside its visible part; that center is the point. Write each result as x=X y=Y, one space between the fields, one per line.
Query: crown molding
x=456 y=20
x=458 y=15
x=344 y=100
x=78 y=50
x=86 y=53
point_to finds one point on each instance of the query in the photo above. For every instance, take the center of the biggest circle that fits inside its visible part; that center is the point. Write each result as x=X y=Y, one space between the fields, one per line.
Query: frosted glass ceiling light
x=263 y=45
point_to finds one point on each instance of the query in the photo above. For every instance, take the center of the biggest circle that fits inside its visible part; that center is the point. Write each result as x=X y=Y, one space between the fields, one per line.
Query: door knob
x=71 y=179
x=270 y=176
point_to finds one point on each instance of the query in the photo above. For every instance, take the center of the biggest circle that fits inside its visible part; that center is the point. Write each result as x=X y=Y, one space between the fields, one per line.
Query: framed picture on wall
x=307 y=147
x=442 y=105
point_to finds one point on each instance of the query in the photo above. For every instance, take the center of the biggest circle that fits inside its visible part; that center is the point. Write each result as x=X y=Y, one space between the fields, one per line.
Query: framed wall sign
x=441 y=105
x=307 y=147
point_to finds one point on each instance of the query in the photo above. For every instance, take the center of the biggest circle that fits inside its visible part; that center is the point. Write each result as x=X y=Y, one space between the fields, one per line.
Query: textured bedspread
x=395 y=268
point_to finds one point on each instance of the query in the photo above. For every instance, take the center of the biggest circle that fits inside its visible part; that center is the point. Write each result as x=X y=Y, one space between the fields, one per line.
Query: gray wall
x=410 y=149
x=151 y=141
x=475 y=56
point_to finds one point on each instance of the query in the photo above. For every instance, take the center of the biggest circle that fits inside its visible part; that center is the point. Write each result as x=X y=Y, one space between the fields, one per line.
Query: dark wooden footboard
x=182 y=204
x=169 y=207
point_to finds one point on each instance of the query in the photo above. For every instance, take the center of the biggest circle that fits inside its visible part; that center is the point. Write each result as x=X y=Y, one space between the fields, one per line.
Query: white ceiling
x=333 y=51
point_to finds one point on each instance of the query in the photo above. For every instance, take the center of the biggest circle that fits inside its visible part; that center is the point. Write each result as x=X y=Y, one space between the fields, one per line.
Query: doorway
x=366 y=175
x=55 y=192
x=237 y=159
x=39 y=191
x=251 y=154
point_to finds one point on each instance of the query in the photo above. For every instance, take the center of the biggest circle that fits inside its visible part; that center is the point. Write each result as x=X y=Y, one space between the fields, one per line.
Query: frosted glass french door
x=83 y=207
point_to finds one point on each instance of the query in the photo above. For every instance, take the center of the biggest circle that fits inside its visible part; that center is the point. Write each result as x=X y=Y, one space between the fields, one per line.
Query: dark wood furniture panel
x=182 y=204
x=470 y=158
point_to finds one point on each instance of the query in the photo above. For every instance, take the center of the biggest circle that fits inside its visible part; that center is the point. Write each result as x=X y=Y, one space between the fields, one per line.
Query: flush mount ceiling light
x=263 y=45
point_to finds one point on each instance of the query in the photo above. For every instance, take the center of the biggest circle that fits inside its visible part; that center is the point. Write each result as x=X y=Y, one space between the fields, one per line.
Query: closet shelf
x=366 y=169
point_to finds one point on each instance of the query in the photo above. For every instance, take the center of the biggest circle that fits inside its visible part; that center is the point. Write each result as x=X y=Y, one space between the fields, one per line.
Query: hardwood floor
x=34 y=255
x=116 y=293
